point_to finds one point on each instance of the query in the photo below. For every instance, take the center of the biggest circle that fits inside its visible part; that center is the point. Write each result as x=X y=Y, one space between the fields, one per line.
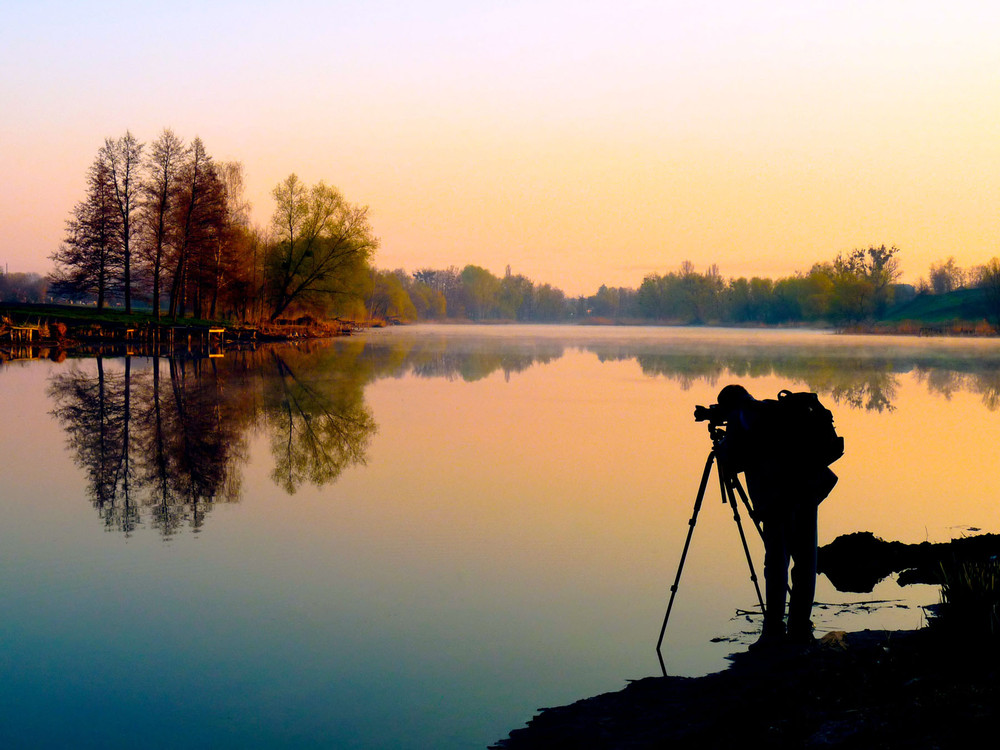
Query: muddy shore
x=936 y=687
x=912 y=689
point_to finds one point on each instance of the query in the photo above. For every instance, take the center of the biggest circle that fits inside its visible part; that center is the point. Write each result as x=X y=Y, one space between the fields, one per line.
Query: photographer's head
x=733 y=397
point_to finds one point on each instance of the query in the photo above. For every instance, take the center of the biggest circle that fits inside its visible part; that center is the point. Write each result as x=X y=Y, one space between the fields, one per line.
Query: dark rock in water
x=856 y=562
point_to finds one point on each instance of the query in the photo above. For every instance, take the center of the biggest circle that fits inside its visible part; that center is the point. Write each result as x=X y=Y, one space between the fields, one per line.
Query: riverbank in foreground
x=914 y=689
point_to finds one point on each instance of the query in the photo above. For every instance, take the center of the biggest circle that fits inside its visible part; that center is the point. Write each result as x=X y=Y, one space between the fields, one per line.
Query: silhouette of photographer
x=786 y=481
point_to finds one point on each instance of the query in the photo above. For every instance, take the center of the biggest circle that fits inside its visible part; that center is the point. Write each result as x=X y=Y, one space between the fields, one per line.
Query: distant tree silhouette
x=946 y=276
x=160 y=193
x=22 y=287
x=989 y=282
x=124 y=159
x=199 y=218
x=863 y=282
x=89 y=260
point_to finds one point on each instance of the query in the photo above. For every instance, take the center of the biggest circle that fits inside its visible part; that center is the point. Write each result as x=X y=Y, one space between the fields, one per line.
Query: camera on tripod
x=715 y=415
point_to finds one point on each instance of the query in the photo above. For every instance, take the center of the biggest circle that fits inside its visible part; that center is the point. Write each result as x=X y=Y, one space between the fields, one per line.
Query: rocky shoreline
x=912 y=689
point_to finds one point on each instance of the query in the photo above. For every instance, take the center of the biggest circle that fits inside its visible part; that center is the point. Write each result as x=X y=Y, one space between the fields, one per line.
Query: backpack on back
x=808 y=427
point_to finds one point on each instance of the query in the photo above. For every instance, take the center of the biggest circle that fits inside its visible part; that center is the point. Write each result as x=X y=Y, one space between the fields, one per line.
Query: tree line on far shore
x=168 y=228
x=861 y=285
x=23 y=287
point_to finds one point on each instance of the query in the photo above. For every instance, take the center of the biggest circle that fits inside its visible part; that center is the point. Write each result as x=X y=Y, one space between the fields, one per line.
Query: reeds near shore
x=970 y=599
x=921 y=328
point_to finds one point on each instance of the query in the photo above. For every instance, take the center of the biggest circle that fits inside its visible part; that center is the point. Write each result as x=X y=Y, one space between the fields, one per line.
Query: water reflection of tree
x=161 y=441
x=987 y=385
x=863 y=377
x=95 y=410
x=193 y=440
x=161 y=451
x=861 y=384
x=852 y=379
x=468 y=360
x=318 y=422
x=948 y=382
x=165 y=441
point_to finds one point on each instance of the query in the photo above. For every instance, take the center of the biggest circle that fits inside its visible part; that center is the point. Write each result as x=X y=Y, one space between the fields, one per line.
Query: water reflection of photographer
x=787 y=476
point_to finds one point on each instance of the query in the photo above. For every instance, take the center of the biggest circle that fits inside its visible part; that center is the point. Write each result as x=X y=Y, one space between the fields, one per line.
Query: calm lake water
x=416 y=537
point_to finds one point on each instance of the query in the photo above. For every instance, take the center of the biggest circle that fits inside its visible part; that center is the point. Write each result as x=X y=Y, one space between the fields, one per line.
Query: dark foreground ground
x=912 y=689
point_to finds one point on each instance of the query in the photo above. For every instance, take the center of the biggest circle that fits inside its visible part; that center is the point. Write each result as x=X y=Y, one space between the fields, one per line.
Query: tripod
x=729 y=486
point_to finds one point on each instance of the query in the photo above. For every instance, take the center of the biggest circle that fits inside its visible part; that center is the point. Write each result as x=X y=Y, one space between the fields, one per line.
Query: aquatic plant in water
x=970 y=598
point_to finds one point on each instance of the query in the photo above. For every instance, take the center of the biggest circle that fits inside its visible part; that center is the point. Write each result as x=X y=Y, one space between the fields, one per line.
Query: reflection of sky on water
x=507 y=543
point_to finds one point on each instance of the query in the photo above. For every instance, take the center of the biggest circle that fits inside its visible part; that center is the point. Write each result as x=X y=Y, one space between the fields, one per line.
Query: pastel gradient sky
x=580 y=142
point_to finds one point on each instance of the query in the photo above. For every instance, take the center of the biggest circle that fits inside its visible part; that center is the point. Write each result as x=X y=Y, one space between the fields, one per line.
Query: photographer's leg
x=803 y=551
x=775 y=578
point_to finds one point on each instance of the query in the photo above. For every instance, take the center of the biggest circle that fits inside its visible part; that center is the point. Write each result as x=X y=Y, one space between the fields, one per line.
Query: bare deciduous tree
x=946 y=276
x=989 y=282
x=196 y=220
x=160 y=189
x=124 y=160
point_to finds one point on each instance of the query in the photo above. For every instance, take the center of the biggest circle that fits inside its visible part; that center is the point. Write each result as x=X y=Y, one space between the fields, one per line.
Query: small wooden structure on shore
x=19 y=339
x=23 y=334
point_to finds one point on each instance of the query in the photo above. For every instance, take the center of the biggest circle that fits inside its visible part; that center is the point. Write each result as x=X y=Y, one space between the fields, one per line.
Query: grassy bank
x=77 y=315
x=68 y=325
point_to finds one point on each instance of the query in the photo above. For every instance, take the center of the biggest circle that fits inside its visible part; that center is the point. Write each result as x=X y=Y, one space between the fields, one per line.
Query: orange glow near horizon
x=580 y=143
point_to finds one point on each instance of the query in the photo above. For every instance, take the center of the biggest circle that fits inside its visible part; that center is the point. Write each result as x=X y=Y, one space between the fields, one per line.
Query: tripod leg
x=727 y=494
x=735 y=481
x=687 y=543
